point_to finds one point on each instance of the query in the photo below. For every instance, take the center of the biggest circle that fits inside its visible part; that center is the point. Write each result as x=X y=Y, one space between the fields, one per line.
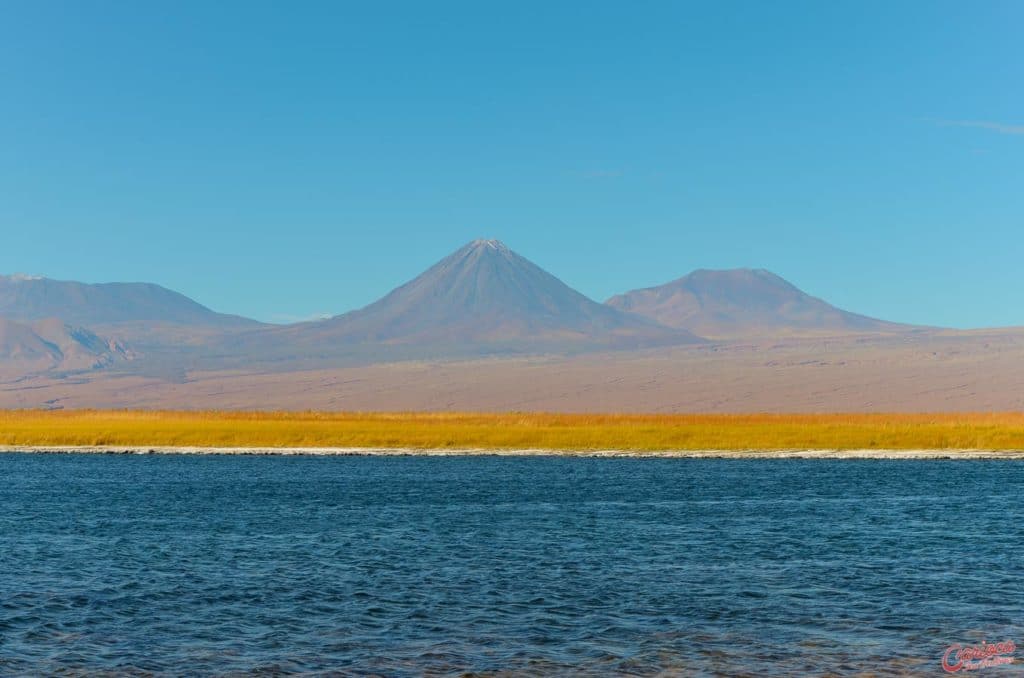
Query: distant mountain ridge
x=743 y=302
x=30 y=298
x=482 y=299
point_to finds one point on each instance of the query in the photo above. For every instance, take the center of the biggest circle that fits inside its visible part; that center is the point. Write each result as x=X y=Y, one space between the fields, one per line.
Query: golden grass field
x=1003 y=431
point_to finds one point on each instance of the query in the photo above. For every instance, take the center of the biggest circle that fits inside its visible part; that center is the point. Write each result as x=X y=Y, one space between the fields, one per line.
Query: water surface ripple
x=494 y=565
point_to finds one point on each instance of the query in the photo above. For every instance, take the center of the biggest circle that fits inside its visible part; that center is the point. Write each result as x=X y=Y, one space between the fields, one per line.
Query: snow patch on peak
x=491 y=244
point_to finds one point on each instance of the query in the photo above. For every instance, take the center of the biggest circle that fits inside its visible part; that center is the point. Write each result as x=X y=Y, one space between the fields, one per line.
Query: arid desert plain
x=942 y=371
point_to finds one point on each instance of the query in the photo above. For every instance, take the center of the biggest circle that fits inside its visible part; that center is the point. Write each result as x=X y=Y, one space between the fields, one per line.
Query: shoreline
x=529 y=452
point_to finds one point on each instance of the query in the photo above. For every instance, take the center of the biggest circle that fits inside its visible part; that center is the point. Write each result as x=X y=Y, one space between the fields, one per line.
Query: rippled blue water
x=406 y=566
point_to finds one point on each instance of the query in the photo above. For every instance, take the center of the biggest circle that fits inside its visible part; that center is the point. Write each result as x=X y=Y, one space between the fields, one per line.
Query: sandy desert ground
x=938 y=372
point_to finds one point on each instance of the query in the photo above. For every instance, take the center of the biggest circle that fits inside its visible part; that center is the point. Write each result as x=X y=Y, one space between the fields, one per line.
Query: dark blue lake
x=427 y=565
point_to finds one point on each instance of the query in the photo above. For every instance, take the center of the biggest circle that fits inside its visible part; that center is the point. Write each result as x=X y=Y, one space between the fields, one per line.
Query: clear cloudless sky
x=282 y=160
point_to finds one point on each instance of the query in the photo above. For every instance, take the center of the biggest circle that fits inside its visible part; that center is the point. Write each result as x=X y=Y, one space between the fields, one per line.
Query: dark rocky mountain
x=53 y=345
x=29 y=298
x=483 y=299
x=743 y=302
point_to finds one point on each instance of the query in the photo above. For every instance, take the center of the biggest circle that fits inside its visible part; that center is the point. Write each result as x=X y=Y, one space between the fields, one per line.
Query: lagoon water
x=545 y=566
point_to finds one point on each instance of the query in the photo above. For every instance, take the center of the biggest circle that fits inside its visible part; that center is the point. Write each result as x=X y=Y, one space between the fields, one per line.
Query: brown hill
x=53 y=345
x=741 y=303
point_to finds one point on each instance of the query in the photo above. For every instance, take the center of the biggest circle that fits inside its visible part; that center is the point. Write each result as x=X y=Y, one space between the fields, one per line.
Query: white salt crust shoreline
x=444 y=452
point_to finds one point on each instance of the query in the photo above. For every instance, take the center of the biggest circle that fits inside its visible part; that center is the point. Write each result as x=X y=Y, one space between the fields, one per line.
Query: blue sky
x=282 y=160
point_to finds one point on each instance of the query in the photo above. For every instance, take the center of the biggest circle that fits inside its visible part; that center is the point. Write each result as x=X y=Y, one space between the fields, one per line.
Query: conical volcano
x=484 y=299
